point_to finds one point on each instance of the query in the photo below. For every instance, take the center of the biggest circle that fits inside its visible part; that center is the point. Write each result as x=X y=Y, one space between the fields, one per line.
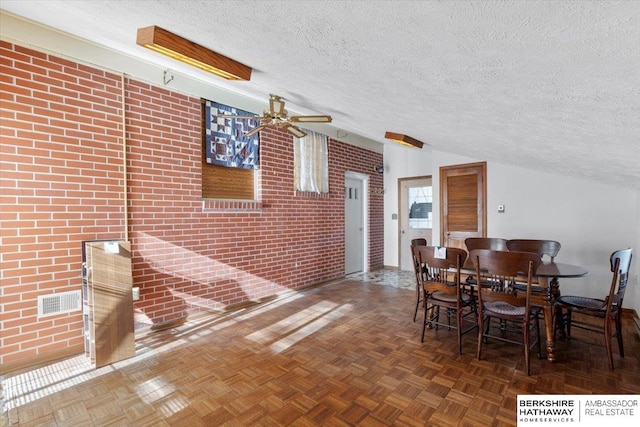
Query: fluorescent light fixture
x=403 y=139
x=176 y=47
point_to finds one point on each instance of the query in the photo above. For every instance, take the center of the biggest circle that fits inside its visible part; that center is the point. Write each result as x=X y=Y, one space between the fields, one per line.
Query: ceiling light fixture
x=176 y=47
x=403 y=139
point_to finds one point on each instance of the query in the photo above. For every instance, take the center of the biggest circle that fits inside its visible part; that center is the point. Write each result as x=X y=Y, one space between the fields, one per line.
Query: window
x=311 y=163
x=420 y=207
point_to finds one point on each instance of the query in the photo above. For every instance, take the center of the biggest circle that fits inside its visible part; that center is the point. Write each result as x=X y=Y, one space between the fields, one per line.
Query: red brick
x=184 y=260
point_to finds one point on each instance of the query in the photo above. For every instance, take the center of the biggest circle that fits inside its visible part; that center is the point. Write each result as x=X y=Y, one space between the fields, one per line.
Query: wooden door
x=463 y=200
x=111 y=302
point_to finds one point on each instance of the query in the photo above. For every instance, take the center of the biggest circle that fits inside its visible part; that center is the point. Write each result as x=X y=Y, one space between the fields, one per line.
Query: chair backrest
x=540 y=247
x=503 y=269
x=493 y=243
x=443 y=273
x=620 y=265
x=417 y=266
x=420 y=241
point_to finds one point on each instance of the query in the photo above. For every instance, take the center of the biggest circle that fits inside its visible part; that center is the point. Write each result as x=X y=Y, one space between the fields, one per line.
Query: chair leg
x=538 y=337
x=619 y=332
x=526 y=340
x=418 y=299
x=608 y=323
x=568 y=323
x=480 y=335
x=426 y=320
x=486 y=331
x=459 y=317
x=558 y=321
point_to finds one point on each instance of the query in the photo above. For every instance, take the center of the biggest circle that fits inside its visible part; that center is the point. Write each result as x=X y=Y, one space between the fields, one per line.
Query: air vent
x=63 y=302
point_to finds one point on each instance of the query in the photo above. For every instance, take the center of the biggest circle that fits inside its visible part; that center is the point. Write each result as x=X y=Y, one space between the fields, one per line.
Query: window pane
x=420 y=207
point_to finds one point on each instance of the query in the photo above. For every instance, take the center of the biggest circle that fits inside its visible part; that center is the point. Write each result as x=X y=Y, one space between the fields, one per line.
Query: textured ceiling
x=551 y=85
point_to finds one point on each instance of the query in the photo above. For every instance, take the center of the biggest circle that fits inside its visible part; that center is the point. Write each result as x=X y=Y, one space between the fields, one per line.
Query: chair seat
x=503 y=308
x=449 y=298
x=582 y=302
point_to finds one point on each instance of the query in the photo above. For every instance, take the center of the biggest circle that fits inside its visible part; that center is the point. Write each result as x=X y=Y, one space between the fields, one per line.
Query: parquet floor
x=343 y=354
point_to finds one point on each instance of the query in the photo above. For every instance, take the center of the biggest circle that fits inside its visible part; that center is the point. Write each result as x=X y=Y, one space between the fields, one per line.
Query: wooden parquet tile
x=343 y=354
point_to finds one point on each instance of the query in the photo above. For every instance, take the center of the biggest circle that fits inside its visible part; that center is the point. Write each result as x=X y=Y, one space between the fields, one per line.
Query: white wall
x=399 y=162
x=589 y=219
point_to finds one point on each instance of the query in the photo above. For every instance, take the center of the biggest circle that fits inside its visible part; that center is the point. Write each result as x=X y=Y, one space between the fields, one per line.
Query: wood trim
x=183 y=50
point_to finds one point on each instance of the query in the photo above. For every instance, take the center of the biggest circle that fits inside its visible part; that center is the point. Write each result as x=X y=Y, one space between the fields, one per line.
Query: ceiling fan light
x=403 y=139
x=188 y=52
x=276 y=105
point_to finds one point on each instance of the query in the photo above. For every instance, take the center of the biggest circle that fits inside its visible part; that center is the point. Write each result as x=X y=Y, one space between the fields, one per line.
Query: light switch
x=501 y=208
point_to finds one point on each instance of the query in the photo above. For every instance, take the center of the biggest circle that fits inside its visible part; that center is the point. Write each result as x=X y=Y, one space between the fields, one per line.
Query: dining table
x=548 y=274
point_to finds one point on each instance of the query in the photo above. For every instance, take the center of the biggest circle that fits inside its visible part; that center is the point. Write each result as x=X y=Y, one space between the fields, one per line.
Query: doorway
x=463 y=203
x=415 y=215
x=355 y=224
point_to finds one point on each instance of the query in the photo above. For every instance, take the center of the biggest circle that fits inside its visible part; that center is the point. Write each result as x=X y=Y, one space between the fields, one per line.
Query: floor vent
x=63 y=302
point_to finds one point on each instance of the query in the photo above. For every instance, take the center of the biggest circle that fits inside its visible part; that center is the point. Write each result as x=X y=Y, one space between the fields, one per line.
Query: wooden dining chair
x=419 y=241
x=501 y=301
x=443 y=291
x=420 y=274
x=609 y=309
x=544 y=248
x=493 y=243
x=550 y=248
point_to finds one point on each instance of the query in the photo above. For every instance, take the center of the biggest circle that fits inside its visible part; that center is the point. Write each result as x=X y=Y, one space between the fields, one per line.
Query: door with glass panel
x=415 y=215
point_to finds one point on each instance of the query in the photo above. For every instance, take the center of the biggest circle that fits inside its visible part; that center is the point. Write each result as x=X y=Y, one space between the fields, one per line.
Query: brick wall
x=62 y=183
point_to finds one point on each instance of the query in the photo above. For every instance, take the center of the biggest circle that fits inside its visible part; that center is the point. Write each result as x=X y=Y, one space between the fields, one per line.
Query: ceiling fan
x=277 y=116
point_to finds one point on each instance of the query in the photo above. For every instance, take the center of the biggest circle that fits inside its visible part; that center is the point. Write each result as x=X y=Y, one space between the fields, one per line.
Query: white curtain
x=311 y=163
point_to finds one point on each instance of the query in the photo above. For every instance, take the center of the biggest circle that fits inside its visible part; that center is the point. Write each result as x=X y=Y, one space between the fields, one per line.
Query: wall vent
x=63 y=302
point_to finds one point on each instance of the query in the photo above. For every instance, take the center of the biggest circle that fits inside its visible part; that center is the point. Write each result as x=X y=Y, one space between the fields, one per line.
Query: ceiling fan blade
x=311 y=119
x=232 y=116
x=254 y=130
x=295 y=131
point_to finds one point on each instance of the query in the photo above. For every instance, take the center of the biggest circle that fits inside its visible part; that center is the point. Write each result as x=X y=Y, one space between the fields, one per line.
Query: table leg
x=550 y=291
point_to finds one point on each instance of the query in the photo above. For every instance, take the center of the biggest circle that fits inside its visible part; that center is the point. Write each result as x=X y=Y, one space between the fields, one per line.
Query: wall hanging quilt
x=225 y=142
